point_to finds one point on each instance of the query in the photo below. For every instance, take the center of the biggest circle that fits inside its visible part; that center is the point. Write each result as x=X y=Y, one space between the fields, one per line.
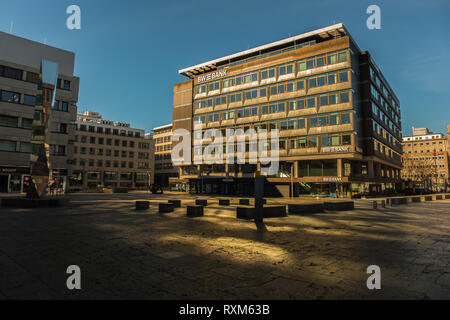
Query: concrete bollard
x=165 y=207
x=194 y=211
x=245 y=202
x=142 y=205
x=176 y=203
x=201 y=202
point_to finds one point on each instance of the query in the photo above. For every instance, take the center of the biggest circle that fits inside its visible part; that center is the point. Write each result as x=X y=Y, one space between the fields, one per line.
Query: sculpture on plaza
x=40 y=154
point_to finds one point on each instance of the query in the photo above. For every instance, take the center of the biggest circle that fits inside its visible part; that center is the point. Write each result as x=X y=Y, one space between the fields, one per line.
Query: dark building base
x=34 y=203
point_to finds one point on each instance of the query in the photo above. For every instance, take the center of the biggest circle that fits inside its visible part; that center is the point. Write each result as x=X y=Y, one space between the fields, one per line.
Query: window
x=332 y=98
x=312 y=141
x=345 y=118
x=300 y=85
x=322 y=121
x=346 y=139
x=332 y=78
x=323 y=100
x=301 y=66
x=321 y=61
x=290 y=86
x=66 y=85
x=310 y=64
x=32 y=77
x=301 y=123
x=263 y=92
x=29 y=100
x=312 y=83
x=273 y=90
x=265 y=109
x=7 y=145
x=334 y=140
x=344 y=97
x=27 y=123
x=343 y=76
x=321 y=81
x=334 y=119
x=342 y=56
x=290 y=68
x=281 y=88
x=7 y=121
x=64 y=106
x=12 y=73
x=8 y=96
x=331 y=59
x=311 y=102
x=302 y=143
x=264 y=74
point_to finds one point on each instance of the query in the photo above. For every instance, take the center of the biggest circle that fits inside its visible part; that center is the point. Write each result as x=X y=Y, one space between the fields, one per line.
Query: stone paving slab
x=124 y=254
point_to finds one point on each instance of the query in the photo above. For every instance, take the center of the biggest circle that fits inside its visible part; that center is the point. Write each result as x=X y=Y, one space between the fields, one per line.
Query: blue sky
x=128 y=53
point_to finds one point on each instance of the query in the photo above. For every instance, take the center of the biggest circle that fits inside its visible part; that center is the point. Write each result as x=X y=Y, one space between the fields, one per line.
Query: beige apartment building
x=338 y=118
x=20 y=61
x=426 y=160
x=110 y=154
x=164 y=168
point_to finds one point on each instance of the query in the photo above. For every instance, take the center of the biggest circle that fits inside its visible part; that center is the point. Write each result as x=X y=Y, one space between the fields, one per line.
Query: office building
x=426 y=160
x=110 y=154
x=339 y=119
x=164 y=168
x=20 y=62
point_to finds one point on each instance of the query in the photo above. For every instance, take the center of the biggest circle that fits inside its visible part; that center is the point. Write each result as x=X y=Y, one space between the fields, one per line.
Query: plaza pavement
x=128 y=254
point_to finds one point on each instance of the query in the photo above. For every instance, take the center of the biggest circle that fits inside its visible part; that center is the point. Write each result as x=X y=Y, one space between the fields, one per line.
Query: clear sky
x=128 y=53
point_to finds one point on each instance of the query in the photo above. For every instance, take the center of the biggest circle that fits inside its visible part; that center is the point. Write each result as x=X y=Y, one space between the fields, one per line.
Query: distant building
x=164 y=169
x=110 y=154
x=426 y=159
x=20 y=61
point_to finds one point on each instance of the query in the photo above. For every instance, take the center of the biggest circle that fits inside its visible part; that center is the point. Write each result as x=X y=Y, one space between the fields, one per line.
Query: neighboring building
x=426 y=159
x=110 y=154
x=339 y=120
x=20 y=61
x=163 y=162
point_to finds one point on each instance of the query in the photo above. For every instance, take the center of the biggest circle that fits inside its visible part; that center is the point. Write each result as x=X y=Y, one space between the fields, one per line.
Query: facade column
x=370 y=168
x=339 y=168
x=84 y=179
x=295 y=164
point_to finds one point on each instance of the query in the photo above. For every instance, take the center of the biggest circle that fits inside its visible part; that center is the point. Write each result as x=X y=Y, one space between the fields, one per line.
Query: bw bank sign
x=212 y=76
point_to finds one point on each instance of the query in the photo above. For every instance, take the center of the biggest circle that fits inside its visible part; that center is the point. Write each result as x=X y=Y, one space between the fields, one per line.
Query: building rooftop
x=336 y=30
x=95 y=117
x=166 y=126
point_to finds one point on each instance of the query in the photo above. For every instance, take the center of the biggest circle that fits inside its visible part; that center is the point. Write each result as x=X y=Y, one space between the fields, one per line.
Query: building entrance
x=4 y=181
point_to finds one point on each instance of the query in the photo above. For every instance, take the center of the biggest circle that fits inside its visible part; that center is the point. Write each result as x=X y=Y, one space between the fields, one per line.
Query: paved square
x=128 y=254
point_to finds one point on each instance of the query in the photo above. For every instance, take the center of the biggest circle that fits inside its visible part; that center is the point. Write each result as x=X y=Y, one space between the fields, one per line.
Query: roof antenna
x=11 y=27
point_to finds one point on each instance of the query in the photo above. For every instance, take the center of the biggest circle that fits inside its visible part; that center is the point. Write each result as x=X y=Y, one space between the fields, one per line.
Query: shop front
x=12 y=180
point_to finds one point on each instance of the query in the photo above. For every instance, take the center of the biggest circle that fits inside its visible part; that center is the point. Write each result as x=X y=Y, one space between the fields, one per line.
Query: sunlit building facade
x=110 y=154
x=426 y=160
x=339 y=120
